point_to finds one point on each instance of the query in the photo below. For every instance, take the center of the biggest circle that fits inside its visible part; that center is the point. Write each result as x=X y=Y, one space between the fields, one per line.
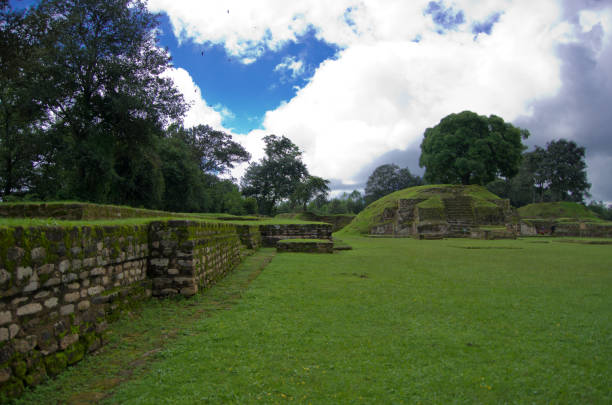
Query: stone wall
x=59 y=286
x=76 y=211
x=188 y=256
x=270 y=234
x=532 y=227
x=305 y=246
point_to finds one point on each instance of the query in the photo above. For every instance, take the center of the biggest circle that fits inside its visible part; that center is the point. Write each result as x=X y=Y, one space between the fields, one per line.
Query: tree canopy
x=281 y=175
x=87 y=113
x=388 y=178
x=554 y=173
x=468 y=148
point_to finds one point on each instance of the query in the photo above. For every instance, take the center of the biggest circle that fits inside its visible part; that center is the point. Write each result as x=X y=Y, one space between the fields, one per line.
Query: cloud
x=200 y=112
x=292 y=66
x=541 y=64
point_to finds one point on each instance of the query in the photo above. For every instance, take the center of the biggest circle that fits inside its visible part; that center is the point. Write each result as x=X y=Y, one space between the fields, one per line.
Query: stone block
x=83 y=305
x=29 y=309
x=51 y=302
x=42 y=294
x=52 y=282
x=4 y=334
x=95 y=290
x=5 y=317
x=31 y=287
x=38 y=253
x=98 y=271
x=47 y=268
x=68 y=340
x=14 y=253
x=4 y=276
x=23 y=272
x=63 y=266
x=72 y=297
x=74 y=286
x=13 y=330
x=67 y=309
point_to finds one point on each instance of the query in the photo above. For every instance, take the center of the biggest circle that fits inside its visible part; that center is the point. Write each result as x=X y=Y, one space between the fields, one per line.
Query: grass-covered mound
x=557 y=210
x=433 y=195
x=338 y=221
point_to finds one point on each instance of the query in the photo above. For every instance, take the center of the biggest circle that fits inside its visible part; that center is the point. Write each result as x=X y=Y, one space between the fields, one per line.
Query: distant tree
x=312 y=187
x=388 y=178
x=355 y=202
x=276 y=176
x=468 y=148
x=565 y=169
x=215 y=150
x=602 y=211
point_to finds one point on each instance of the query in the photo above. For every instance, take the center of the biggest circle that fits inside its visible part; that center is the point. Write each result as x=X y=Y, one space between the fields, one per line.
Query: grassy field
x=391 y=321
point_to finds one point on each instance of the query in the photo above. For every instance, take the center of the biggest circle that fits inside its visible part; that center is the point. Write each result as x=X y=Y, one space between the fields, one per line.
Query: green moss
x=20 y=368
x=56 y=363
x=74 y=353
x=432 y=202
x=13 y=388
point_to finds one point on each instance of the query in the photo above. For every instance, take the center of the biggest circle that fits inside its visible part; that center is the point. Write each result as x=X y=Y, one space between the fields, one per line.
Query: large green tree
x=109 y=101
x=564 y=168
x=468 y=148
x=20 y=113
x=386 y=179
x=277 y=175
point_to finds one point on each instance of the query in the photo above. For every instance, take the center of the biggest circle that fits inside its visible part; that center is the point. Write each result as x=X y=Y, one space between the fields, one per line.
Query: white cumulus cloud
x=383 y=89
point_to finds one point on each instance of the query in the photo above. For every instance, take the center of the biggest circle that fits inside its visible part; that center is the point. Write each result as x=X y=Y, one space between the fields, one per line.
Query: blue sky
x=355 y=83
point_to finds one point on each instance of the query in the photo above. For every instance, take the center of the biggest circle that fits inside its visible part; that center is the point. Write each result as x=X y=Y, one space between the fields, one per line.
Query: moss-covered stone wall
x=188 y=256
x=59 y=288
x=75 y=211
x=270 y=234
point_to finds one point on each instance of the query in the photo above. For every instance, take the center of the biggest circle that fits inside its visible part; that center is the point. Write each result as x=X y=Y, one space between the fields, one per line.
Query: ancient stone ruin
x=446 y=211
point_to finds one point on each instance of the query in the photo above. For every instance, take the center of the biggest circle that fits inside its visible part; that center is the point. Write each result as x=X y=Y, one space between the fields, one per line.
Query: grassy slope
x=401 y=320
x=555 y=210
x=367 y=218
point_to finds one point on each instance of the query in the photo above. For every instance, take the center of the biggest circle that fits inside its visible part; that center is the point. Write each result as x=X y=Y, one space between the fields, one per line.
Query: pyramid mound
x=557 y=210
x=433 y=211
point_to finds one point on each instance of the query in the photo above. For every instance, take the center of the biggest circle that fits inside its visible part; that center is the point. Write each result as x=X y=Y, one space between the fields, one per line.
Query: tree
x=311 y=188
x=565 y=170
x=388 y=178
x=20 y=114
x=100 y=71
x=468 y=148
x=215 y=150
x=276 y=176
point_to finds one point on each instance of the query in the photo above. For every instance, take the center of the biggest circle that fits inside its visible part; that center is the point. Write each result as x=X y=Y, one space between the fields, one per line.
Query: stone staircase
x=459 y=215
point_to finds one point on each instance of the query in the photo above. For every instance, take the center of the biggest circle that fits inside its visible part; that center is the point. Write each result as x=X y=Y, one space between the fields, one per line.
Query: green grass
x=395 y=321
x=558 y=210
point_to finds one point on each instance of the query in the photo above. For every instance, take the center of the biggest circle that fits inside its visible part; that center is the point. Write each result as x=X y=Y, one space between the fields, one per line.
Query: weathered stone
x=173 y=272
x=83 y=305
x=23 y=272
x=38 y=253
x=4 y=276
x=68 y=340
x=29 y=309
x=84 y=275
x=74 y=286
x=189 y=291
x=4 y=334
x=13 y=330
x=95 y=290
x=47 y=268
x=68 y=277
x=63 y=266
x=25 y=345
x=162 y=262
x=19 y=300
x=5 y=317
x=32 y=286
x=72 y=297
x=67 y=309
x=14 y=253
x=53 y=281
x=51 y=302
x=41 y=294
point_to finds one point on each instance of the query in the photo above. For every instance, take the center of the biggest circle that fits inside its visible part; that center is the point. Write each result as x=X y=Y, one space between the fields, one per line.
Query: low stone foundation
x=271 y=234
x=305 y=246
